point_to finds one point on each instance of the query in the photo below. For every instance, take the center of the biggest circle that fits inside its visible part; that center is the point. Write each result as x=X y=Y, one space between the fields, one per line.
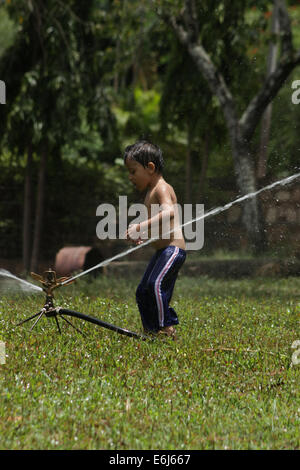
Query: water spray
x=10 y=283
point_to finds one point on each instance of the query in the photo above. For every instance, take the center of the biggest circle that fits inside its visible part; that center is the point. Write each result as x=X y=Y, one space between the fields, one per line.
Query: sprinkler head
x=49 y=281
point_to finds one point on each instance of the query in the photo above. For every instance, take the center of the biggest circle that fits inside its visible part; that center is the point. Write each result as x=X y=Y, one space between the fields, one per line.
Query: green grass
x=226 y=383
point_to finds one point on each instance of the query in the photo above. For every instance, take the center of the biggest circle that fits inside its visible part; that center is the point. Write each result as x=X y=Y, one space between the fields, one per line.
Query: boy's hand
x=133 y=234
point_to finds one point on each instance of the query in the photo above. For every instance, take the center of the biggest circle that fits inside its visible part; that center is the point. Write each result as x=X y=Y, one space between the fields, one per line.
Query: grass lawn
x=227 y=382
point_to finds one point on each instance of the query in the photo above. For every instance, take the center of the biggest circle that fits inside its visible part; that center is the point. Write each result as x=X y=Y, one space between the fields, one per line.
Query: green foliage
x=226 y=383
x=141 y=119
x=61 y=78
x=7 y=30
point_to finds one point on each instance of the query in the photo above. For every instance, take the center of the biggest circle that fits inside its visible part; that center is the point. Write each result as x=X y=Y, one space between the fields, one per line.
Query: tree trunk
x=188 y=170
x=266 y=119
x=203 y=168
x=27 y=211
x=39 y=212
x=188 y=181
x=117 y=65
x=246 y=181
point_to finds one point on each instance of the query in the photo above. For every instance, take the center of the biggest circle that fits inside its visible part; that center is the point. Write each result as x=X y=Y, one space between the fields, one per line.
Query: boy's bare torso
x=158 y=198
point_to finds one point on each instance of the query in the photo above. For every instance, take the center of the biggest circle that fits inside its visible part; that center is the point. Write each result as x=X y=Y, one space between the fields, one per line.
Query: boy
x=145 y=164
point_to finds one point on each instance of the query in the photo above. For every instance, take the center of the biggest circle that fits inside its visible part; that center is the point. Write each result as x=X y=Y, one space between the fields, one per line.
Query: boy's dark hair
x=145 y=152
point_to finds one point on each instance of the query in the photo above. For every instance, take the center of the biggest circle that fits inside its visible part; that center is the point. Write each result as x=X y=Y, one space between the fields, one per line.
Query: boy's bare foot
x=168 y=331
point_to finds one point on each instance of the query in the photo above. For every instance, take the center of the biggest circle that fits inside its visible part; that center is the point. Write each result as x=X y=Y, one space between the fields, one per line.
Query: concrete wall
x=281 y=209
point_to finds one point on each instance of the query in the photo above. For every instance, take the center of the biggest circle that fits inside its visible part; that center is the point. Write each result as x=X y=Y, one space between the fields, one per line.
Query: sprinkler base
x=50 y=283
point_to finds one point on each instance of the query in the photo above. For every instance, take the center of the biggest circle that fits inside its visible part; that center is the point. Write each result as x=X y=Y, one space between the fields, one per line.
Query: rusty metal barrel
x=72 y=259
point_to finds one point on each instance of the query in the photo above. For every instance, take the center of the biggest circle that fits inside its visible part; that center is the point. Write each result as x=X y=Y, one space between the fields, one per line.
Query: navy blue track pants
x=155 y=290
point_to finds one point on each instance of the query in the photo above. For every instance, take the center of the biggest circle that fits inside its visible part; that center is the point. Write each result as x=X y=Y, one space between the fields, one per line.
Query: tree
x=190 y=32
x=53 y=73
x=266 y=119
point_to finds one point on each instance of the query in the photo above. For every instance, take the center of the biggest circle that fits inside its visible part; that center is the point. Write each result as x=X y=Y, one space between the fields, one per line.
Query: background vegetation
x=83 y=82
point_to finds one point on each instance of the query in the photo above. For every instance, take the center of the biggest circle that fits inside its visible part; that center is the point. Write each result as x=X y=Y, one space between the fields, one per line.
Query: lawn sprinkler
x=50 y=282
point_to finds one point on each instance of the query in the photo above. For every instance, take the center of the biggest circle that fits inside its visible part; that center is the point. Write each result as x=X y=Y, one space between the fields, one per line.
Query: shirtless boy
x=145 y=164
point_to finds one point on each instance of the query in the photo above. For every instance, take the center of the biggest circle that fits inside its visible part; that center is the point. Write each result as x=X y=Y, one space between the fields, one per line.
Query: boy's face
x=139 y=176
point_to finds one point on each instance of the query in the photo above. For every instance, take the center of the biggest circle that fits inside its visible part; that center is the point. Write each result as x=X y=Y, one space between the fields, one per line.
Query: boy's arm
x=166 y=210
x=154 y=223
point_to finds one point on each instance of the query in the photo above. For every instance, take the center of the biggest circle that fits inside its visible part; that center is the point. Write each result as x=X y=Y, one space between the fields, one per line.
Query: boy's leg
x=143 y=297
x=161 y=282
